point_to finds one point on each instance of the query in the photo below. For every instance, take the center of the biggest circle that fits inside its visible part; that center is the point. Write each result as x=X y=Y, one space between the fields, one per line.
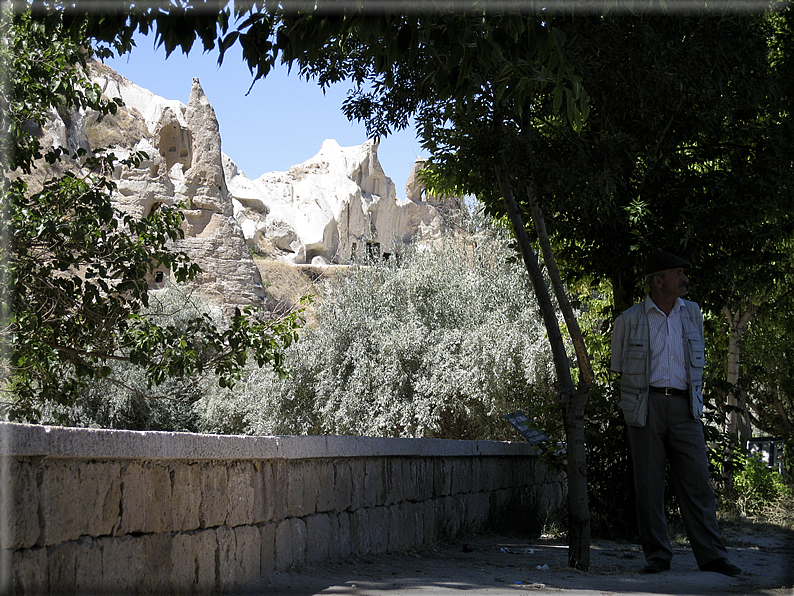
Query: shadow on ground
x=496 y=565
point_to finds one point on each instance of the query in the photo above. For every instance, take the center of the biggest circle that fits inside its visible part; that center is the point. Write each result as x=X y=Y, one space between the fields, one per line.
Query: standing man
x=658 y=347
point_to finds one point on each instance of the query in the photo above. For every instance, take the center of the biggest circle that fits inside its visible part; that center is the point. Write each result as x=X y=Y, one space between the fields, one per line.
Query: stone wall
x=89 y=511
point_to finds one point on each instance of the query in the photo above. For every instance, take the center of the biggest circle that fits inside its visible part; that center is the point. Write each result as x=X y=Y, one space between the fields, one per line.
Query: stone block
x=461 y=481
x=507 y=474
x=227 y=550
x=62 y=566
x=247 y=556
x=496 y=474
x=360 y=541
x=379 y=529
x=300 y=489
x=241 y=494
x=193 y=562
x=420 y=486
x=157 y=557
x=343 y=485
x=414 y=523
x=312 y=486
x=478 y=508
x=27 y=571
x=447 y=517
x=500 y=500
x=88 y=568
x=283 y=545
x=267 y=560
x=358 y=474
x=299 y=539
x=488 y=473
x=185 y=496
x=391 y=487
x=319 y=537
x=442 y=477
x=401 y=530
x=123 y=563
x=89 y=491
x=374 y=484
x=145 y=498
x=281 y=489
x=326 y=486
x=341 y=544
x=214 y=498
x=462 y=511
x=183 y=569
x=101 y=485
x=523 y=470
x=23 y=526
x=475 y=481
x=430 y=526
x=291 y=542
x=399 y=480
x=262 y=485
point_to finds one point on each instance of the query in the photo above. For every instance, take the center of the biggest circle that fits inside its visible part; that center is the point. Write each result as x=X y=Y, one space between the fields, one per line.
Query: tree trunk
x=578 y=504
x=573 y=402
x=622 y=294
x=738 y=421
x=582 y=357
x=573 y=406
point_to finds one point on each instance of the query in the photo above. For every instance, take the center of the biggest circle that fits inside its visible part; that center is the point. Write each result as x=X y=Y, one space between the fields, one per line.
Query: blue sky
x=283 y=121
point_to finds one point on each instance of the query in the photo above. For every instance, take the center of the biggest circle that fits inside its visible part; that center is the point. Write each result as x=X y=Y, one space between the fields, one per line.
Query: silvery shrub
x=440 y=342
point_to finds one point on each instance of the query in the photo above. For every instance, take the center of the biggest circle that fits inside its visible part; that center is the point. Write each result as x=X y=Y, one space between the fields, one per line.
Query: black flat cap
x=659 y=261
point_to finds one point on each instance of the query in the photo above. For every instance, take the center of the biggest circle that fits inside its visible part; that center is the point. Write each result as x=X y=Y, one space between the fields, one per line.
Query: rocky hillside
x=327 y=210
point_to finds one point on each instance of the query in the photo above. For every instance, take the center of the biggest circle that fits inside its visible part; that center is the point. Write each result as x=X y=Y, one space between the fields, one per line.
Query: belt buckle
x=668 y=391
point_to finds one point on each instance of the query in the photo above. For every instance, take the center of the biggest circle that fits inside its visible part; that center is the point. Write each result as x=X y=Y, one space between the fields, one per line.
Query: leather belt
x=667 y=390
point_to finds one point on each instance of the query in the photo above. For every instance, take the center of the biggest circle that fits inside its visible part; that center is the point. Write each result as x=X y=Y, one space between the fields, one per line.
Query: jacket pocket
x=697 y=353
x=696 y=395
x=635 y=407
x=697 y=359
x=634 y=365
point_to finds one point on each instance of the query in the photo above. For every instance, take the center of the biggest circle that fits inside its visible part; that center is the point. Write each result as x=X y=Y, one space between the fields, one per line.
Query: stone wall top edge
x=29 y=440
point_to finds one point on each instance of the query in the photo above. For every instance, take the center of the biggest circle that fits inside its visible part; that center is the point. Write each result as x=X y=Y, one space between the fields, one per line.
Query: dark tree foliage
x=684 y=150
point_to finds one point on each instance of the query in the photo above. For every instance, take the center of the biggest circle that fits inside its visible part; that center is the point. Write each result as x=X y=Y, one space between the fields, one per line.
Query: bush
x=756 y=487
x=441 y=344
x=124 y=400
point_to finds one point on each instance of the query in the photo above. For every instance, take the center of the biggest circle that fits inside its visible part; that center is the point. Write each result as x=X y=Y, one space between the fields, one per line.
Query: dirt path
x=497 y=566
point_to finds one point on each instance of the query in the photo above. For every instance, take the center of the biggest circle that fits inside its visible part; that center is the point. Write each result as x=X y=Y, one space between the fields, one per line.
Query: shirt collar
x=651 y=305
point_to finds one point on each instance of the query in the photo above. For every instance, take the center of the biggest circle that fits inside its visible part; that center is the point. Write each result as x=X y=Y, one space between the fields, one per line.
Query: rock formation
x=184 y=167
x=417 y=191
x=329 y=209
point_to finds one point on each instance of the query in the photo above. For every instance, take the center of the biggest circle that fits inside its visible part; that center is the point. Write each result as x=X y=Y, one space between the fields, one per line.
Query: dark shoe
x=721 y=565
x=655 y=565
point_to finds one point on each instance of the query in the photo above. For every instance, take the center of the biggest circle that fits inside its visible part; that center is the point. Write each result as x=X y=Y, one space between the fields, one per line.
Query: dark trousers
x=671 y=433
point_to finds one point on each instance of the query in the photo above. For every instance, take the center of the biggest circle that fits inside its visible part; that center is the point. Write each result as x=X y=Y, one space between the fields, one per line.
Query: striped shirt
x=668 y=365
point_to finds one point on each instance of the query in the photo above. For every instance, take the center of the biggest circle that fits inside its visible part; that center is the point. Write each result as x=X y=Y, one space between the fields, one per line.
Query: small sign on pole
x=523 y=424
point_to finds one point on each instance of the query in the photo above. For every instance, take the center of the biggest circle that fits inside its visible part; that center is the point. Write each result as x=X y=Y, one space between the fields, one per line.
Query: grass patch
x=286 y=284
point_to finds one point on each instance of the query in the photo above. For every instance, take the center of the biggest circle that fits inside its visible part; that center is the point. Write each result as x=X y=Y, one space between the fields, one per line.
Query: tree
x=768 y=374
x=679 y=153
x=76 y=268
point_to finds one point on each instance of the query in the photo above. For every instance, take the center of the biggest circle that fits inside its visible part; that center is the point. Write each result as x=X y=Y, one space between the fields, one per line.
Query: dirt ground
x=495 y=565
